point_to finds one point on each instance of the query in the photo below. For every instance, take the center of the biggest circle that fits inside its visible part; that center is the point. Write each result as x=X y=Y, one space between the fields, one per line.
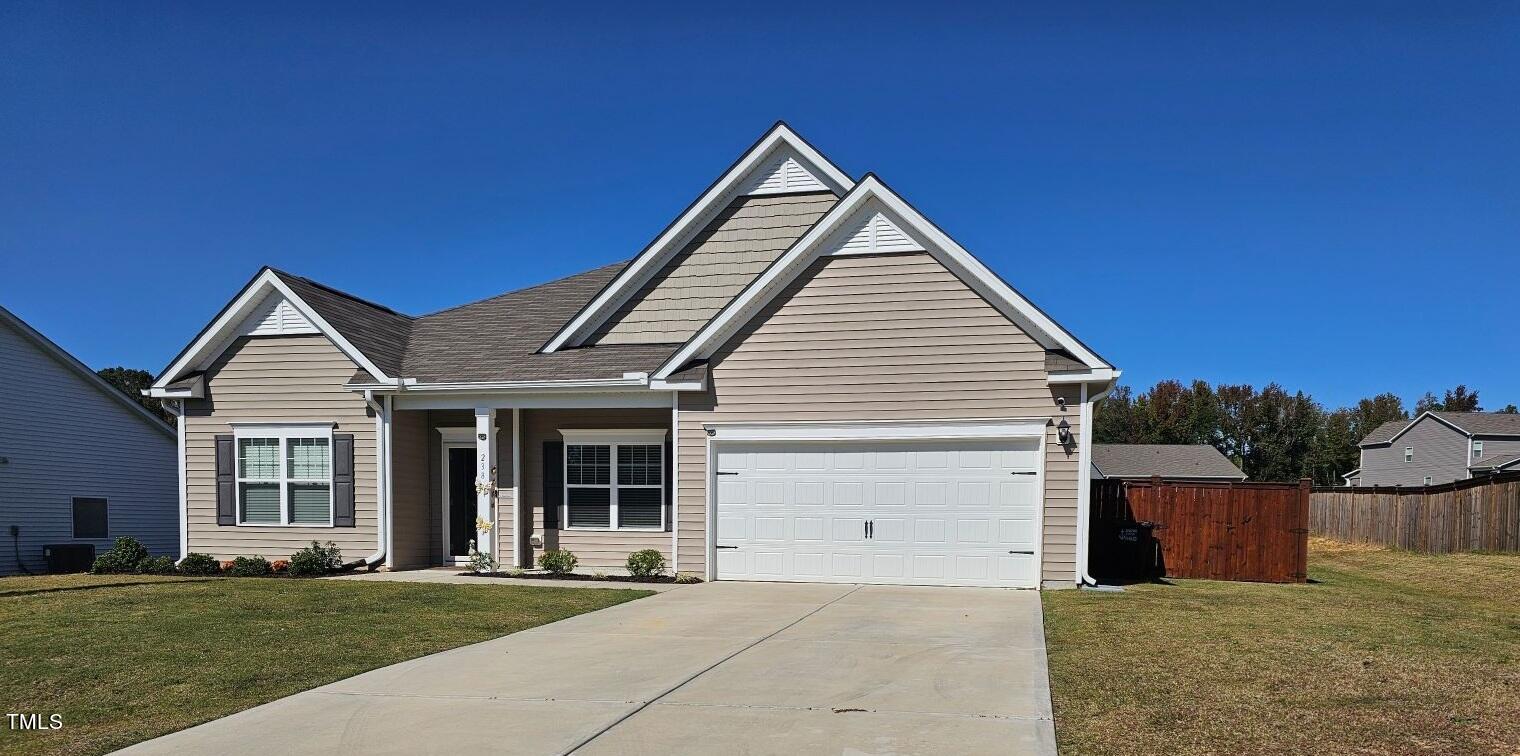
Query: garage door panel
x=954 y=513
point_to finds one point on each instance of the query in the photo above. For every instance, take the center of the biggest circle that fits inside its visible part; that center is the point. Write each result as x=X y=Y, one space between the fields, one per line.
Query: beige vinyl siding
x=736 y=246
x=413 y=540
x=594 y=549
x=880 y=337
x=281 y=378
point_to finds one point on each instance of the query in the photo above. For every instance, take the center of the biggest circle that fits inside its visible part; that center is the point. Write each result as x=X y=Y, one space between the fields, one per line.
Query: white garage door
x=929 y=513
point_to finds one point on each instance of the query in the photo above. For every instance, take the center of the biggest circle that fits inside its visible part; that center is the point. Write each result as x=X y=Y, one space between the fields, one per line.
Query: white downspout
x=177 y=408
x=382 y=524
x=1084 y=482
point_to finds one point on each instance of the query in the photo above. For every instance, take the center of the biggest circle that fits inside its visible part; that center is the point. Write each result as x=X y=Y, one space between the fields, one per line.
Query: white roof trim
x=71 y=362
x=960 y=262
x=693 y=220
x=227 y=327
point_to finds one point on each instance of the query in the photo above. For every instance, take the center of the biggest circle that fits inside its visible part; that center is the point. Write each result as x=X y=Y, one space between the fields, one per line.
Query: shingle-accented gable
x=754 y=173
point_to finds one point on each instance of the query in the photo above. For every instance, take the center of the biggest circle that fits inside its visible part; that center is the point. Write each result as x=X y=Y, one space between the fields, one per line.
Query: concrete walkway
x=736 y=668
x=451 y=576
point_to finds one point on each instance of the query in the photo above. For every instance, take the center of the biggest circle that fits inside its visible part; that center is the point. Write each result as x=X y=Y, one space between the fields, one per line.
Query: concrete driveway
x=720 y=667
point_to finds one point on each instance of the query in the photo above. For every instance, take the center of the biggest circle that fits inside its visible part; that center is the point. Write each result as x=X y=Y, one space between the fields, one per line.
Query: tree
x=1114 y=420
x=1335 y=447
x=1456 y=400
x=1510 y=409
x=132 y=382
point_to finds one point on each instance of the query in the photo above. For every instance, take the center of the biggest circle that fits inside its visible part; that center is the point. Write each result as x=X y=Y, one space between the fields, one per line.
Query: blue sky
x=1326 y=197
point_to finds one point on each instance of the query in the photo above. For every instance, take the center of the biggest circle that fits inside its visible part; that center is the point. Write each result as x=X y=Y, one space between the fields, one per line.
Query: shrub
x=122 y=558
x=687 y=577
x=646 y=563
x=481 y=562
x=199 y=564
x=255 y=566
x=316 y=559
x=225 y=564
x=557 y=562
x=280 y=565
x=159 y=565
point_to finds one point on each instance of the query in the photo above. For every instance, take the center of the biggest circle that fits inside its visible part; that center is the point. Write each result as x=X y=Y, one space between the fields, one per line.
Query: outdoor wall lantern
x=1063 y=431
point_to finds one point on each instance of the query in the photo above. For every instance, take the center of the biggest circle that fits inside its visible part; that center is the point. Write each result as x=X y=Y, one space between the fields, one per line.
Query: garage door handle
x=720 y=472
x=1029 y=553
x=727 y=547
x=1020 y=472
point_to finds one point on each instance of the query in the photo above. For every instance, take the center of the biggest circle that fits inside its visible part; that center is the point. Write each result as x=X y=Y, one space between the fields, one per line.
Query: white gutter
x=590 y=383
x=1084 y=482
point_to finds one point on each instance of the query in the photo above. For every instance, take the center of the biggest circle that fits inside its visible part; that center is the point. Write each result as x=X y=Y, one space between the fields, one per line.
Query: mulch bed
x=575 y=576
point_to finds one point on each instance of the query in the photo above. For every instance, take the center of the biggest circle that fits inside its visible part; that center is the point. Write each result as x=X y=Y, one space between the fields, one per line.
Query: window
x=1477 y=453
x=90 y=518
x=284 y=475
x=1427 y=480
x=1409 y=454
x=615 y=480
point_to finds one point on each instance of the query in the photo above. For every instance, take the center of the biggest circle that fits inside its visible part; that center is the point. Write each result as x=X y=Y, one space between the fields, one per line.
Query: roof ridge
x=561 y=279
x=339 y=292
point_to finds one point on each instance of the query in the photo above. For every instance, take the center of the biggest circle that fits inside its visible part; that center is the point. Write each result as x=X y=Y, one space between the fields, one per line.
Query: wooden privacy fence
x=1220 y=531
x=1482 y=514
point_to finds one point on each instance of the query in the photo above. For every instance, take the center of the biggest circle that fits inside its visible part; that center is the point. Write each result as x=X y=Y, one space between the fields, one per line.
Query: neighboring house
x=1171 y=461
x=801 y=378
x=80 y=462
x=1438 y=447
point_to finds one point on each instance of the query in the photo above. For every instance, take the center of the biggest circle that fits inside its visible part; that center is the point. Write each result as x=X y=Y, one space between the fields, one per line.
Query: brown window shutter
x=343 y=480
x=226 y=480
x=554 y=482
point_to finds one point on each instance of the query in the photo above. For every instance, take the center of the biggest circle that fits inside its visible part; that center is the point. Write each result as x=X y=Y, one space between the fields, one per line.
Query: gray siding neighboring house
x=1436 y=448
x=746 y=396
x=86 y=440
x=1172 y=461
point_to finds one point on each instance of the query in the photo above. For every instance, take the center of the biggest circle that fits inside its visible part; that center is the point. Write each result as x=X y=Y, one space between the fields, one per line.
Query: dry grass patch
x=1386 y=652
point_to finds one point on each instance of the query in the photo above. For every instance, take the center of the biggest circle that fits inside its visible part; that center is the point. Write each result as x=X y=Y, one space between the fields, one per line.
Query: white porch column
x=485 y=460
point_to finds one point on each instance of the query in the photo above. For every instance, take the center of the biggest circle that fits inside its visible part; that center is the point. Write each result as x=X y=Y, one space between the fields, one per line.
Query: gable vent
x=874 y=233
x=781 y=175
x=276 y=316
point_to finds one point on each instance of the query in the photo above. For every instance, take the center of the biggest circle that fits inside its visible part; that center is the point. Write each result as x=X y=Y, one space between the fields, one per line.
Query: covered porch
x=590 y=474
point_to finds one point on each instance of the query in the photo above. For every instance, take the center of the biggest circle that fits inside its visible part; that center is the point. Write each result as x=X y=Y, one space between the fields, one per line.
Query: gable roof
x=871 y=198
x=381 y=330
x=1469 y=423
x=1164 y=460
x=72 y=363
x=760 y=160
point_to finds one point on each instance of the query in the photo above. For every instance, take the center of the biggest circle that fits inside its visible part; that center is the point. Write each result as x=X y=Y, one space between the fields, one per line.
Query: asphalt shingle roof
x=1495 y=461
x=1477 y=423
x=1165 y=460
x=378 y=332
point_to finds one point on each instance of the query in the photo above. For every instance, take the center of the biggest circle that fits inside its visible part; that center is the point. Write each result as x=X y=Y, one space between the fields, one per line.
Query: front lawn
x=124 y=663
x=1384 y=652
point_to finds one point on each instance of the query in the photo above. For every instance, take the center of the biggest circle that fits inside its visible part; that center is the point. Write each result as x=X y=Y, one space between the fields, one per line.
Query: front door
x=461 y=487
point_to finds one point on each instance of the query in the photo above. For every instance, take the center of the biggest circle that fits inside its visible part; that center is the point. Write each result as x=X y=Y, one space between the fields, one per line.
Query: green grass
x=1385 y=652
x=124 y=663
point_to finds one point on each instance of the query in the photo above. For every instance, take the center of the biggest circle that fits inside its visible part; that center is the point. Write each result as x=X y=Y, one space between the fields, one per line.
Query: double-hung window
x=614 y=479
x=284 y=475
x=1477 y=450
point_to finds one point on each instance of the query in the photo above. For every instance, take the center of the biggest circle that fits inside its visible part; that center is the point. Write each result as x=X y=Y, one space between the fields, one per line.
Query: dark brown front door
x=461 y=501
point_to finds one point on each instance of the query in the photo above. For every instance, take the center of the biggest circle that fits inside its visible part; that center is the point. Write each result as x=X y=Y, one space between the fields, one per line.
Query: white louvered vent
x=276 y=316
x=783 y=174
x=873 y=233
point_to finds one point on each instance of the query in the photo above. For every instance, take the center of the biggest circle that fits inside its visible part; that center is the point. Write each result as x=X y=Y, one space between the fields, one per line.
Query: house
x=801 y=378
x=1172 y=461
x=83 y=467
x=1438 y=447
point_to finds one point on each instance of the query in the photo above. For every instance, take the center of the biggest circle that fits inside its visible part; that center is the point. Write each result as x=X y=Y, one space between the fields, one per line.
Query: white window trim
x=284 y=432
x=1428 y=479
x=1477 y=450
x=1408 y=454
x=613 y=439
